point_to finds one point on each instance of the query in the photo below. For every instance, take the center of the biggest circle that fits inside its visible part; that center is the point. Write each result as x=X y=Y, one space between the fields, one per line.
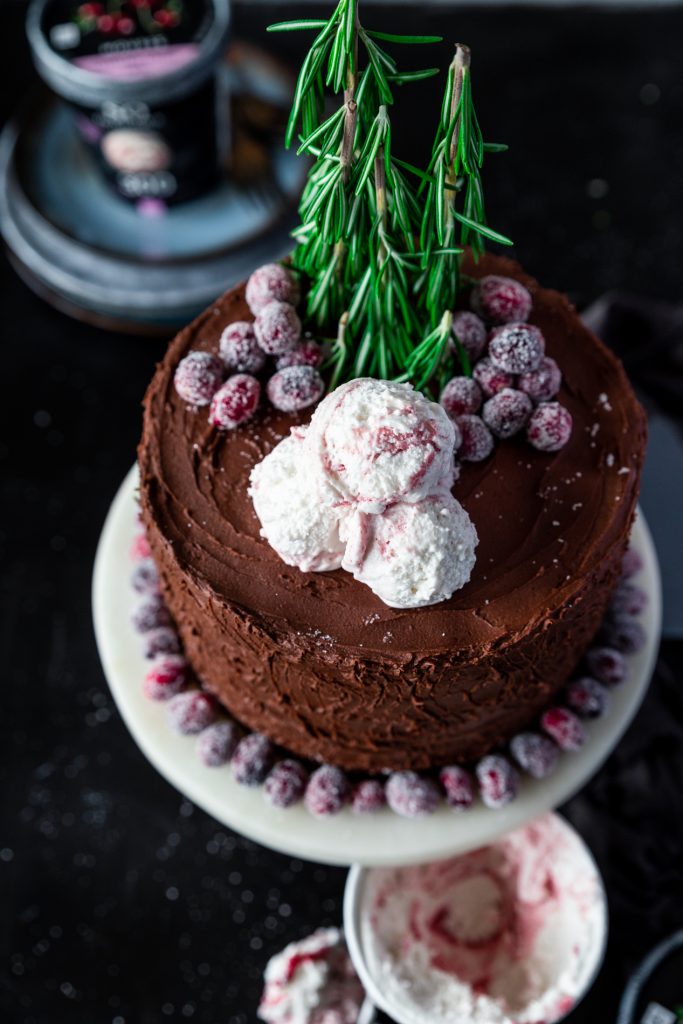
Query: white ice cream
x=312 y=982
x=135 y=151
x=366 y=487
x=303 y=531
x=508 y=934
x=415 y=554
x=378 y=442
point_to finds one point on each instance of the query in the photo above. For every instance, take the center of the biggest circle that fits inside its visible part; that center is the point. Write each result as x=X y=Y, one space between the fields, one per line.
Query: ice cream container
x=653 y=993
x=511 y=933
x=140 y=78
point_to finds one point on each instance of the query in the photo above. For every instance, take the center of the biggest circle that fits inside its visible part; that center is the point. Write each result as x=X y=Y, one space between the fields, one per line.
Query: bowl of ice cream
x=511 y=932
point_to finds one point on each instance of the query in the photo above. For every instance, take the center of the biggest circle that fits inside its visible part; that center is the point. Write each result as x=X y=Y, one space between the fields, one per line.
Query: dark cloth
x=648 y=336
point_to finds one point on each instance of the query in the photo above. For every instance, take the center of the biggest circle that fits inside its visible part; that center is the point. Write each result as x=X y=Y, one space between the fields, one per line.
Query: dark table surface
x=121 y=901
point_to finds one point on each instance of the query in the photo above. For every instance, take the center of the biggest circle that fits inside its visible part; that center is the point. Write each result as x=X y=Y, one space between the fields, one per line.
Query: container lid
x=149 y=269
x=88 y=66
x=654 y=995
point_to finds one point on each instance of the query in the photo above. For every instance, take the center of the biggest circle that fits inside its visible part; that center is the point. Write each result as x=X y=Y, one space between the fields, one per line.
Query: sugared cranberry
x=632 y=563
x=476 y=441
x=327 y=792
x=295 y=387
x=500 y=299
x=271 y=282
x=550 y=427
x=628 y=600
x=190 y=712
x=498 y=780
x=490 y=379
x=164 y=640
x=150 y=615
x=235 y=402
x=543 y=383
x=126 y=26
x=368 y=797
x=516 y=348
x=458 y=786
x=198 y=377
x=278 y=328
x=286 y=783
x=145 y=578
x=166 y=678
x=564 y=727
x=535 y=754
x=216 y=743
x=411 y=795
x=470 y=332
x=253 y=759
x=239 y=348
x=166 y=19
x=106 y=24
x=308 y=353
x=587 y=697
x=607 y=665
x=140 y=548
x=507 y=412
x=461 y=397
x=626 y=635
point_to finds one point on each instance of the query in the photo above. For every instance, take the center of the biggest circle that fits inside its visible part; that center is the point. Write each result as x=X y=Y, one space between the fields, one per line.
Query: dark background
x=119 y=901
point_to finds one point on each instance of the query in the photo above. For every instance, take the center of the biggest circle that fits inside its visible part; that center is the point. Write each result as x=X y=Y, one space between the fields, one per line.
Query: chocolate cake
x=315 y=660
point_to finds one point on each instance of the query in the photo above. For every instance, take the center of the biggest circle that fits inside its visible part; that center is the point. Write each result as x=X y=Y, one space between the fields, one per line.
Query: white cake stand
x=379 y=839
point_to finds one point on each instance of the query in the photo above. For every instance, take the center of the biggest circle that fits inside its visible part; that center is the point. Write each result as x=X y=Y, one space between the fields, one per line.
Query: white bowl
x=355 y=899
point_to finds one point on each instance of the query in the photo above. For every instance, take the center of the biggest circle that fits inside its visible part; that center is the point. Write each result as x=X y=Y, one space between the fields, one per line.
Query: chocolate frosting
x=316 y=660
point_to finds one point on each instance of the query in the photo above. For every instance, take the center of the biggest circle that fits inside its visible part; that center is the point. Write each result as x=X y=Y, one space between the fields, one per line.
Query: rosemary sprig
x=454 y=175
x=341 y=231
x=380 y=241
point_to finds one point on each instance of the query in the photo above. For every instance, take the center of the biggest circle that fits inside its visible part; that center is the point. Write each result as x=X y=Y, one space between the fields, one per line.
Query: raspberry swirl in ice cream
x=508 y=933
x=367 y=486
x=312 y=982
x=416 y=553
x=378 y=442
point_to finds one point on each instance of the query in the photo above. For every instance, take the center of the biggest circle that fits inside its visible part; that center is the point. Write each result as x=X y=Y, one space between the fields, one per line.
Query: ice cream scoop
x=415 y=554
x=312 y=982
x=303 y=530
x=377 y=442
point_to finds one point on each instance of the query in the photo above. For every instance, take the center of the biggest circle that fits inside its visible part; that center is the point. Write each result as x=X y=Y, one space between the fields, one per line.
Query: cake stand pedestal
x=380 y=839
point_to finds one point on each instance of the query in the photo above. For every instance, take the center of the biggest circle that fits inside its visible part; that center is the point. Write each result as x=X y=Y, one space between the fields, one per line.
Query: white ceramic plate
x=383 y=838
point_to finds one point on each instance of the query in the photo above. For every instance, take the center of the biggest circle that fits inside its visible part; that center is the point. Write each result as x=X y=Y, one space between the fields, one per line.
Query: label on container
x=134 y=65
